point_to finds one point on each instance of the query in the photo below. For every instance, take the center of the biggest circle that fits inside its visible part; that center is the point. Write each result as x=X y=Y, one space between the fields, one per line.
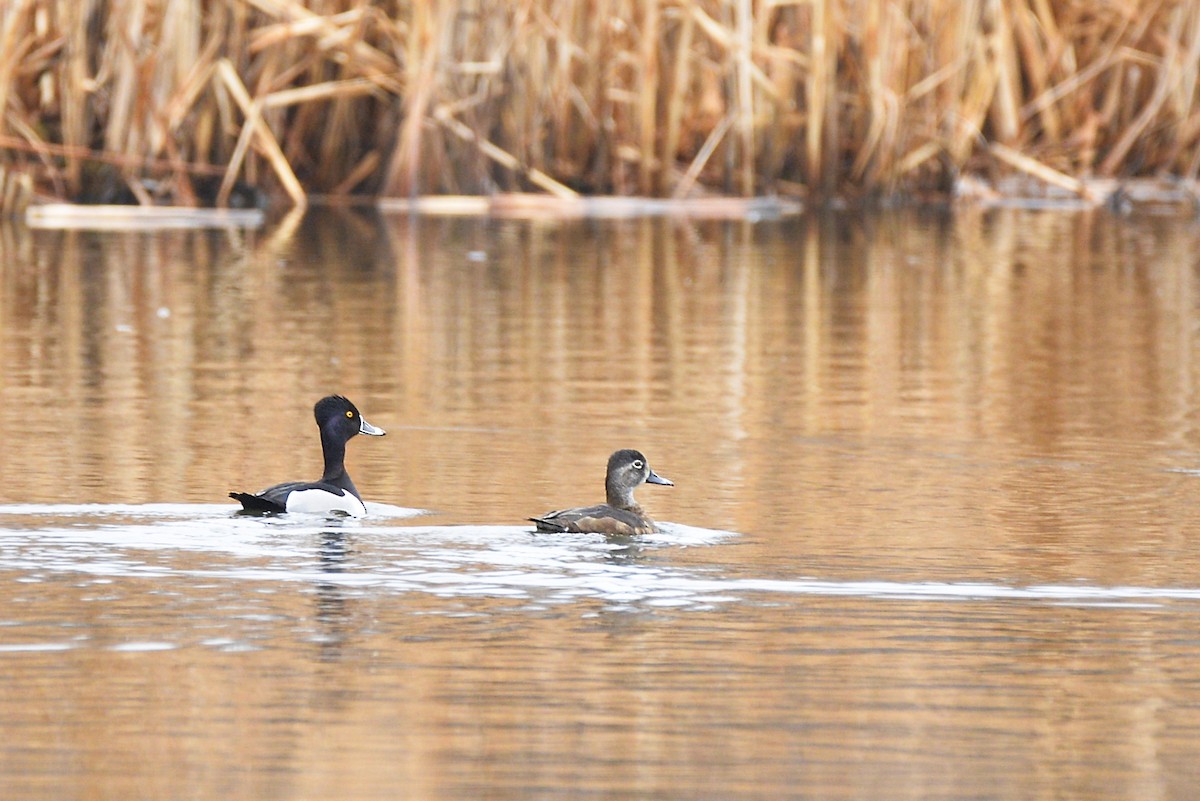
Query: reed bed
x=184 y=101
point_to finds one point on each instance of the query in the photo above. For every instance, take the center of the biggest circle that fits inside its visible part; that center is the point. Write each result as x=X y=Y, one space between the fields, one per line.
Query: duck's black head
x=338 y=416
x=628 y=468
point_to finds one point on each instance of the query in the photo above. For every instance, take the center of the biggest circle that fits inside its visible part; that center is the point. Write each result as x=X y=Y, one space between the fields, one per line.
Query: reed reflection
x=807 y=375
x=998 y=397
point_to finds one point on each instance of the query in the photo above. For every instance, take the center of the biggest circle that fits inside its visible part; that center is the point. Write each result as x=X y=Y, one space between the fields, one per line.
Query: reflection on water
x=449 y=561
x=931 y=521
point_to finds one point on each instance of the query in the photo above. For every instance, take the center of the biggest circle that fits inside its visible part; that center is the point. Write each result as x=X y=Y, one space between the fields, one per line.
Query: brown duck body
x=603 y=518
x=621 y=515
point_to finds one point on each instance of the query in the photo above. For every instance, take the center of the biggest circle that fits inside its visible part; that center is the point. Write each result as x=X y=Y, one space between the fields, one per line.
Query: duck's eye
x=638 y=464
x=350 y=414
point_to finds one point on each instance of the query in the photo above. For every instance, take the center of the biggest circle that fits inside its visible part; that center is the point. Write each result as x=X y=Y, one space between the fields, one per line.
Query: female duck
x=338 y=420
x=627 y=470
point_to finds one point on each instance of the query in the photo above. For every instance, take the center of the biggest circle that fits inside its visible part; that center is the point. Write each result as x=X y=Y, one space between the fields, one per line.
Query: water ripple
x=107 y=542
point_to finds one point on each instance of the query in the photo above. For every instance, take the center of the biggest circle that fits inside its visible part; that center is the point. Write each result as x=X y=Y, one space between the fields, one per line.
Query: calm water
x=932 y=534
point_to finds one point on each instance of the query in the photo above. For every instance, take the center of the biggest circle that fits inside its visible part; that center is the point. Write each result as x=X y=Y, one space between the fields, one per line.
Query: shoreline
x=1151 y=195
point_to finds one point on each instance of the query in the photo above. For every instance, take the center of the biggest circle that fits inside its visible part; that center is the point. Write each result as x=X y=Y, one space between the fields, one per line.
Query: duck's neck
x=621 y=497
x=335 y=463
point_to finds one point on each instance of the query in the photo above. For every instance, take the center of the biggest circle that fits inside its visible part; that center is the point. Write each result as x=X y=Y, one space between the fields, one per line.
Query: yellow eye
x=349 y=413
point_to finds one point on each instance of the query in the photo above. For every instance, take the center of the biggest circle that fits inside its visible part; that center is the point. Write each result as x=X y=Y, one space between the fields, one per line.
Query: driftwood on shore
x=190 y=101
x=543 y=206
x=137 y=218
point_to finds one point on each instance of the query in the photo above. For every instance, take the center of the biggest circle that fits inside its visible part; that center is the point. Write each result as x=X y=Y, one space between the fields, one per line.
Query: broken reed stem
x=504 y=159
x=1036 y=169
x=674 y=97
x=257 y=127
x=16 y=144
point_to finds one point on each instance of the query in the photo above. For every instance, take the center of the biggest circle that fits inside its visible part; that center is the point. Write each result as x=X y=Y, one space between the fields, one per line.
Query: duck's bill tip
x=370 y=430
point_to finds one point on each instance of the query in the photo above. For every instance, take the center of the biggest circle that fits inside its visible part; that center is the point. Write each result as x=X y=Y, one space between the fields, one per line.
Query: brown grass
x=667 y=98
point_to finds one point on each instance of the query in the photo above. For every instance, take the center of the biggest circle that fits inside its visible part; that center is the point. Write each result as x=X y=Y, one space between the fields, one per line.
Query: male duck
x=627 y=470
x=338 y=420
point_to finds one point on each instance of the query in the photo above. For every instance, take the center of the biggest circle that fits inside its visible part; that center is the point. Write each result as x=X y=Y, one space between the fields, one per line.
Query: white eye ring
x=637 y=464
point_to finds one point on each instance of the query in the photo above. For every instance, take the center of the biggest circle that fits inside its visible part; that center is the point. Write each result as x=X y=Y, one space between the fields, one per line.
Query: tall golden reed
x=655 y=97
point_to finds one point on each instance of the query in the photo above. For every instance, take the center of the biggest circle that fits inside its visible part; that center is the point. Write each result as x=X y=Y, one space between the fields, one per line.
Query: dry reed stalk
x=16 y=189
x=744 y=70
x=873 y=92
x=647 y=93
x=697 y=166
x=678 y=94
x=15 y=143
x=501 y=157
x=1001 y=98
x=1037 y=37
x=15 y=43
x=1165 y=79
x=421 y=61
x=369 y=59
x=1040 y=171
x=817 y=90
x=256 y=126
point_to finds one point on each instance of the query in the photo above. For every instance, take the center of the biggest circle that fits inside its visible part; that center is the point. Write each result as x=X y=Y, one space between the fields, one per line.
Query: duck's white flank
x=319 y=502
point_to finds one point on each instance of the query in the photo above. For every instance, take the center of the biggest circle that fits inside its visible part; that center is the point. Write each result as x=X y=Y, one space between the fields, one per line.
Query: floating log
x=137 y=218
x=534 y=206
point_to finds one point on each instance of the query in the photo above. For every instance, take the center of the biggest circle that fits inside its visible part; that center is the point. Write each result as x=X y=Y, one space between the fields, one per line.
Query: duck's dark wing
x=256 y=503
x=599 y=519
x=272 y=499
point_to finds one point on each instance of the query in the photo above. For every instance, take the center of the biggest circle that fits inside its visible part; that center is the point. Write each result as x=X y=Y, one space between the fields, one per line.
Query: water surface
x=930 y=535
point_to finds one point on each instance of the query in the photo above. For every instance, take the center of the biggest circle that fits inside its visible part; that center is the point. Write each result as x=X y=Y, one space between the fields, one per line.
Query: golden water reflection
x=938 y=378
x=1004 y=397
